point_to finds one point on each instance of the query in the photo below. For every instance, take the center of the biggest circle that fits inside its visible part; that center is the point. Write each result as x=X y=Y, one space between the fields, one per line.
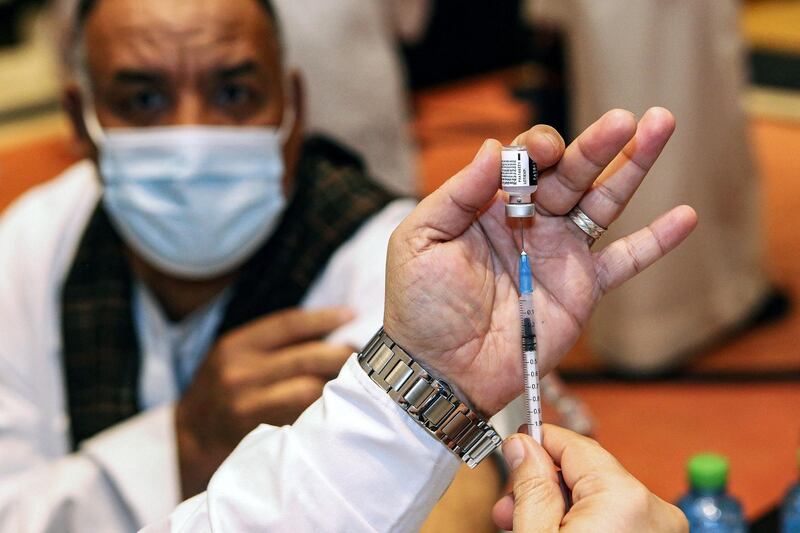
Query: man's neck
x=178 y=297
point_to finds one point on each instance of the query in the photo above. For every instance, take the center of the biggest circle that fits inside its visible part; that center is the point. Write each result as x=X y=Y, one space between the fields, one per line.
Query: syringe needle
x=522 y=233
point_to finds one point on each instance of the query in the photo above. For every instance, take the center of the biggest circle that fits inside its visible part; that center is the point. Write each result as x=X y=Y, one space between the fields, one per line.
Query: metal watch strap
x=429 y=401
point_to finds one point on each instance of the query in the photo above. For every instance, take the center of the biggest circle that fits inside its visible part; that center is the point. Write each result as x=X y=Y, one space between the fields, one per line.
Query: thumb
x=538 y=501
x=449 y=210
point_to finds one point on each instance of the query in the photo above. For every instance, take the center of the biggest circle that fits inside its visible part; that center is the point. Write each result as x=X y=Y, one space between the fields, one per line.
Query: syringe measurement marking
x=531 y=371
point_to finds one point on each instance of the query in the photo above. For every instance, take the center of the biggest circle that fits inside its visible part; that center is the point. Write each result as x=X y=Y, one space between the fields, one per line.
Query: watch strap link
x=431 y=402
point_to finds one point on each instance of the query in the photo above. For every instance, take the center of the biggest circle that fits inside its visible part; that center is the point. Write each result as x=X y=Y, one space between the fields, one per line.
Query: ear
x=72 y=101
x=294 y=142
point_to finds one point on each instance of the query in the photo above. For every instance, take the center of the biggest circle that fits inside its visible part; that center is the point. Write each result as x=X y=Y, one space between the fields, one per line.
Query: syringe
x=530 y=363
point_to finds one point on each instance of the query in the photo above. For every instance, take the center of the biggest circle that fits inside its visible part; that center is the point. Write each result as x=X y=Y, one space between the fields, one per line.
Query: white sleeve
x=139 y=458
x=43 y=487
x=83 y=491
x=356 y=276
x=353 y=461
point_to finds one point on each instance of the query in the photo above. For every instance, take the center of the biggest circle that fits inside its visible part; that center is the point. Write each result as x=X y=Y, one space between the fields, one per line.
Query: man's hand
x=268 y=371
x=451 y=280
x=605 y=497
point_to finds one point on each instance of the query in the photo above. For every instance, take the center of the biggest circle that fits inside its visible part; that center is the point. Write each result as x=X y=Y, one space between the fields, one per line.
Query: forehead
x=174 y=33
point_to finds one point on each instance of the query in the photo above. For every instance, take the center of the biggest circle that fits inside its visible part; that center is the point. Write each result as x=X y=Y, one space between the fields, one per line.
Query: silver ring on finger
x=586 y=224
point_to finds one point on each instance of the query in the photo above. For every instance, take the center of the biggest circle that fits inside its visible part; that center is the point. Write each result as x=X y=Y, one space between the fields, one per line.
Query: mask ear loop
x=88 y=111
x=93 y=127
x=289 y=113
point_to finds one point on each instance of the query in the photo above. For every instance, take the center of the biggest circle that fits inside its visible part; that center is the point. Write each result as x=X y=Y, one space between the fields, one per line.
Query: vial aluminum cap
x=520 y=210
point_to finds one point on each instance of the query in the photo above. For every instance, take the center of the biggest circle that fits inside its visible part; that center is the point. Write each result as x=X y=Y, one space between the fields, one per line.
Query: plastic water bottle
x=790 y=510
x=707 y=506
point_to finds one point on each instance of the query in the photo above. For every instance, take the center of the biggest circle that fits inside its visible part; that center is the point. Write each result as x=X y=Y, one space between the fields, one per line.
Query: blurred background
x=701 y=354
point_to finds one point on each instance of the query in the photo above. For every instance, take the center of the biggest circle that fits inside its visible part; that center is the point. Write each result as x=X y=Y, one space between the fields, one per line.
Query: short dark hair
x=71 y=34
x=85 y=7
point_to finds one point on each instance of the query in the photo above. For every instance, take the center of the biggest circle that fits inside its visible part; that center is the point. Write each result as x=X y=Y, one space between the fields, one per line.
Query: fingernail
x=482 y=149
x=514 y=452
x=554 y=139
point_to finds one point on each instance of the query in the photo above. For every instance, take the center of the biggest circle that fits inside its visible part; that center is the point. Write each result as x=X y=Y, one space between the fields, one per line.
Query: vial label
x=516 y=168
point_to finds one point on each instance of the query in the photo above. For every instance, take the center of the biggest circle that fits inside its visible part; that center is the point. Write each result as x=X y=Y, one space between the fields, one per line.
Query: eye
x=234 y=95
x=148 y=101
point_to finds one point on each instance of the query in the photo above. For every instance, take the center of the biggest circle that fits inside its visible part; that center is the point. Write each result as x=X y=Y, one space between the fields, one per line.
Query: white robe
x=687 y=56
x=355 y=84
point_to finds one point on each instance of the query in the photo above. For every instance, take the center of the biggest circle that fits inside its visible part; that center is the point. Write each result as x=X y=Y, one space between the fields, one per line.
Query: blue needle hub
x=525 y=277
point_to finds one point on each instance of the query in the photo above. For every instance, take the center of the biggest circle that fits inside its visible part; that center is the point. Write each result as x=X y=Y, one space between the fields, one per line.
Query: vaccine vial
x=519 y=177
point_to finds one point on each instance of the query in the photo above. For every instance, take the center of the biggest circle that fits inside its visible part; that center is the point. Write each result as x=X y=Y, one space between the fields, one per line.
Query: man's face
x=176 y=62
x=183 y=62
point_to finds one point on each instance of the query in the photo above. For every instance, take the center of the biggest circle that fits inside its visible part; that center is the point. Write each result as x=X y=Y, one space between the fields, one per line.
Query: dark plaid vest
x=100 y=352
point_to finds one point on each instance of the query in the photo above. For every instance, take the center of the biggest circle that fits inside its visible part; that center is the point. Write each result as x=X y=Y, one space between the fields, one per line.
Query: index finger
x=578 y=456
x=290 y=326
x=544 y=144
x=583 y=160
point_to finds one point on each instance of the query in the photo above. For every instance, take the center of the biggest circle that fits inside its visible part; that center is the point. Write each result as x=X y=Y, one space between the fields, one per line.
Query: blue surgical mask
x=194 y=201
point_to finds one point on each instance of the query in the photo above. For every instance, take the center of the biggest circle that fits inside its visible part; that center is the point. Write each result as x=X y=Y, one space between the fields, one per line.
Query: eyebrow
x=240 y=69
x=137 y=76
x=146 y=76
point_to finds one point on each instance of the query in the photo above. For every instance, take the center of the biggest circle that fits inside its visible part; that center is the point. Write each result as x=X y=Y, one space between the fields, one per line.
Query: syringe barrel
x=530 y=364
x=526 y=315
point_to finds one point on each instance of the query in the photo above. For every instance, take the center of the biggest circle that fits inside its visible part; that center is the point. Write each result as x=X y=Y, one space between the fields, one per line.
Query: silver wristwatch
x=431 y=402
